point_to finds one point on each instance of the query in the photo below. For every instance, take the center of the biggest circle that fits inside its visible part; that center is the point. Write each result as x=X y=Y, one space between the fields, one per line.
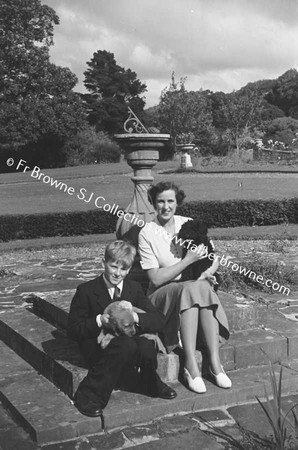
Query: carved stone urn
x=185 y=158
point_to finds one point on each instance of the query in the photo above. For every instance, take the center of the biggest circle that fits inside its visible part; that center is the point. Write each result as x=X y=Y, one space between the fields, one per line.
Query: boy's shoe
x=166 y=392
x=86 y=406
x=153 y=386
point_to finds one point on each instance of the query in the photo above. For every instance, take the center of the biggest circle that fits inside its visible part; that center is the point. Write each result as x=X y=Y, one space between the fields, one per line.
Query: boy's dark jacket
x=92 y=297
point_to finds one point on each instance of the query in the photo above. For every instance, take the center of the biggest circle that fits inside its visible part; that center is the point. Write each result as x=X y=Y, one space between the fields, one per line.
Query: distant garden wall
x=274 y=155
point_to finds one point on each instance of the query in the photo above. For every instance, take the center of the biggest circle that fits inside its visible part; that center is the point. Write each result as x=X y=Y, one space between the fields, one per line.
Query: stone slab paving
x=225 y=428
x=20 y=278
x=251 y=417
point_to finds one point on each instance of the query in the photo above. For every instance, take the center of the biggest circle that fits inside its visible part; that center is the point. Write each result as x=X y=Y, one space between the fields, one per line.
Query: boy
x=86 y=319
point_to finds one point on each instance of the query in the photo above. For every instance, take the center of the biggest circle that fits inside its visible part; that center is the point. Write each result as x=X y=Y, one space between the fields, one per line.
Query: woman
x=189 y=306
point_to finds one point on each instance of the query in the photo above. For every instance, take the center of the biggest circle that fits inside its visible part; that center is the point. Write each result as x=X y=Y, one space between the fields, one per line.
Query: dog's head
x=195 y=231
x=121 y=319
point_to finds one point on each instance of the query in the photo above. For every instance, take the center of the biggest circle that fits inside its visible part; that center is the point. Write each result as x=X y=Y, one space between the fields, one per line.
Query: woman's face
x=165 y=205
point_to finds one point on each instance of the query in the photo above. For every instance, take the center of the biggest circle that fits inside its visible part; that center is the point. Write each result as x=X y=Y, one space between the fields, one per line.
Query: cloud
x=218 y=44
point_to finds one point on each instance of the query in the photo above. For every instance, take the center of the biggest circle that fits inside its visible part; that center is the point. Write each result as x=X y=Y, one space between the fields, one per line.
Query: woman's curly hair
x=165 y=186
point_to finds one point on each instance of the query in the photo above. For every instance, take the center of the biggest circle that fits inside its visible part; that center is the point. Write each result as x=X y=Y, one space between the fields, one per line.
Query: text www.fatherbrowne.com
x=225 y=261
x=135 y=220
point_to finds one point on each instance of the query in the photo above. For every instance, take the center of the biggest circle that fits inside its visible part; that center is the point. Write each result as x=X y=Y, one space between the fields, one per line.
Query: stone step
x=58 y=358
x=49 y=416
x=252 y=333
x=242 y=313
x=55 y=356
x=36 y=404
x=44 y=347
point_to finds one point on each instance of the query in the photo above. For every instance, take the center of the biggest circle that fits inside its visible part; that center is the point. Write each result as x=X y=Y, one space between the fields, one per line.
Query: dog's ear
x=112 y=322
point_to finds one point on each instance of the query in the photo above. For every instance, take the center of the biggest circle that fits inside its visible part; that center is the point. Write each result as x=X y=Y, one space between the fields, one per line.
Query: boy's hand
x=105 y=320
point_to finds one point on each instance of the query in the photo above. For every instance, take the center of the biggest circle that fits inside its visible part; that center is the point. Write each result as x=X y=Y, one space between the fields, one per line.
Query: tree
x=172 y=109
x=218 y=113
x=284 y=93
x=186 y=115
x=111 y=90
x=242 y=112
x=38 y=109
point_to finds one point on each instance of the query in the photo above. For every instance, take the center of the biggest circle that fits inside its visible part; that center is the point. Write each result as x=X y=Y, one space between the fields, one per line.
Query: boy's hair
x=120 y=252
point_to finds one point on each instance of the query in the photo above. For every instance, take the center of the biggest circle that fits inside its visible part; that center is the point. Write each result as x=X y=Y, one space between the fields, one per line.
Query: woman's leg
x=210 y=330
x=188 y=332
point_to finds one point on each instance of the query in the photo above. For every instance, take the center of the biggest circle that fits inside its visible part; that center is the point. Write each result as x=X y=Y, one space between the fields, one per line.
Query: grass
x=284 y=275
x=22 y=194
x=274 y=232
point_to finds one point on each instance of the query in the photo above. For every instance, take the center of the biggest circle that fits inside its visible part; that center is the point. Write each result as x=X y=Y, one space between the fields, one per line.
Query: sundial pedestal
x=142 y=153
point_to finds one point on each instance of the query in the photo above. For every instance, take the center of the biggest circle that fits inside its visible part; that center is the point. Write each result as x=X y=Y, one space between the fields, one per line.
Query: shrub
x=282 y=129
x=106 y=150
x=89 y=147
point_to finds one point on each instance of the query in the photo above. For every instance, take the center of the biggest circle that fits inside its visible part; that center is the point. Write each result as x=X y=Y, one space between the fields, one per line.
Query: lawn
x=22 y=194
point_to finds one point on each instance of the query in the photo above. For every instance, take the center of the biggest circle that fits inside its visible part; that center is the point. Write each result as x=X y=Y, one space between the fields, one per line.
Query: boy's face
x=115 y=272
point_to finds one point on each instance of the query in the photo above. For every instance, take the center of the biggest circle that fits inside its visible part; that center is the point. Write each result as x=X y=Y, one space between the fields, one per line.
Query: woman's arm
x=162 y=275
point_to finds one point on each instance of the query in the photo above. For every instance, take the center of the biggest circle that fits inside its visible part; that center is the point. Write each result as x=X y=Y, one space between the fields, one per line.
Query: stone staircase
x=41 y=368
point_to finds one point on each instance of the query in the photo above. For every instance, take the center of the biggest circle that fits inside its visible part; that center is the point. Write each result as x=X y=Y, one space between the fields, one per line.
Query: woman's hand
x=195 y=255
x=209 y=277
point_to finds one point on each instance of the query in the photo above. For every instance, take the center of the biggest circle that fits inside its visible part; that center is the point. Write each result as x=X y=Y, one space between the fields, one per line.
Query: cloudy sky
x=219 y=45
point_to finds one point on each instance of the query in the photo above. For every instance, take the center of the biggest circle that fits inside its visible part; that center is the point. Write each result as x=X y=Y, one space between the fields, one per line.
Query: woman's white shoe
x=221 y=380
x=195 y=384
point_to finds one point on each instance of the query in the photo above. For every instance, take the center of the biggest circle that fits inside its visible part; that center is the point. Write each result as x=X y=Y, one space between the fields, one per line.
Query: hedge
x=229 y=213
x=56 y=224
x=234 y=213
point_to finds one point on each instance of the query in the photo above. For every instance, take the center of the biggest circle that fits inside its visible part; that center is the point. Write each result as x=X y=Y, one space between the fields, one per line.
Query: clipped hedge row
x=229 y=213
x=56 y=224
x=234 y=213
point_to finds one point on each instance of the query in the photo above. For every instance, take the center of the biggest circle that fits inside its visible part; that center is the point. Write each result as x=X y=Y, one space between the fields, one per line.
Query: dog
x=197 y=232
x=121 y=321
